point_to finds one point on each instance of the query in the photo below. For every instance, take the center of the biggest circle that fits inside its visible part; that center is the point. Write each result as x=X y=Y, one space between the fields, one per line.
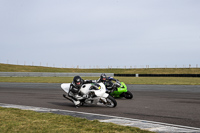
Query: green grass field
x=21 y=68
x=24 y=121
x=127 y=80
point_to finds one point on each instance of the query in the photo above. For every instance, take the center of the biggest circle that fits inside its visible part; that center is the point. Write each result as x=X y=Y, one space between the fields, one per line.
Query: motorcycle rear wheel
x=111 y=102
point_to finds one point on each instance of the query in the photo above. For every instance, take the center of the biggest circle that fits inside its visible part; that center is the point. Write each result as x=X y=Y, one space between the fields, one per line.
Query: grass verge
x=23 y=121
x=22 y=68
x=127 y=80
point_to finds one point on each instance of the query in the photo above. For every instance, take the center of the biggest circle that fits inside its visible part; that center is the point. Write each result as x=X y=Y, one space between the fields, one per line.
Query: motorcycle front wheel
x=128 y=95
x=111 y=102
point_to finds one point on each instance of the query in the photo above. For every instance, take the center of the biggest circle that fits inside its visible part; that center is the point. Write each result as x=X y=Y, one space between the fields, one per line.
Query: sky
x=100 y=33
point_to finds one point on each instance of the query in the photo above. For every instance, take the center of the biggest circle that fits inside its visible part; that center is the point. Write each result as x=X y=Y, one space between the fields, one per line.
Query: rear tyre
x=128 y=95
x=111 y=102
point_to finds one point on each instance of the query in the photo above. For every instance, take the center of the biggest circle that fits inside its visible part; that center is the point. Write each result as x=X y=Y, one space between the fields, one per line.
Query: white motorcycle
x=96 y=97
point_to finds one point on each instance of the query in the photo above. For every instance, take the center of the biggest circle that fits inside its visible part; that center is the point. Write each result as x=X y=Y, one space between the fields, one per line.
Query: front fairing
x=120 y=90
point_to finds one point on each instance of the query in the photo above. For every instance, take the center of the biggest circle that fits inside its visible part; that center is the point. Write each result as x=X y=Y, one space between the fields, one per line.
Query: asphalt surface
x=174 y=104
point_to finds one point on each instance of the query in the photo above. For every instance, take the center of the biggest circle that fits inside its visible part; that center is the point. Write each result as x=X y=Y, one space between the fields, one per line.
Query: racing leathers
x=110 y=83
x=75 y=94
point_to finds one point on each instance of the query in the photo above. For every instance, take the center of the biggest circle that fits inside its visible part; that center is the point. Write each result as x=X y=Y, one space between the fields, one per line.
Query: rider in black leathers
x=108 y=82
x=74 y=90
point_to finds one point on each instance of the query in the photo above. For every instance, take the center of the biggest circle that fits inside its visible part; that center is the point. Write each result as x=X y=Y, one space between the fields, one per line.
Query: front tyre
x=128 y=95
x=111 y=102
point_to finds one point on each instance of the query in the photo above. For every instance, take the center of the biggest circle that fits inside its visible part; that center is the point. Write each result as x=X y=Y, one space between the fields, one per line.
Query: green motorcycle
x=118 y=89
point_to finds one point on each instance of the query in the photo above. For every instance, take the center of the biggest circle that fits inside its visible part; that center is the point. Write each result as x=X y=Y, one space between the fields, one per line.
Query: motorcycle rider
x=111 y=86
x=74 y=90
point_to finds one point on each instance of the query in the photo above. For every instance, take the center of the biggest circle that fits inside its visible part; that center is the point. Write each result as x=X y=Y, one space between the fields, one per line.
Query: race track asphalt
x=173 y=104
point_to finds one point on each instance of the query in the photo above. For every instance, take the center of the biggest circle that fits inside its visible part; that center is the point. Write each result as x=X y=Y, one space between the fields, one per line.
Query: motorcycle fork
x=103 y=100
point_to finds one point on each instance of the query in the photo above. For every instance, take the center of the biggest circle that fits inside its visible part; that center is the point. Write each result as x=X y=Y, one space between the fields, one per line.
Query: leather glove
x=85 y=96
